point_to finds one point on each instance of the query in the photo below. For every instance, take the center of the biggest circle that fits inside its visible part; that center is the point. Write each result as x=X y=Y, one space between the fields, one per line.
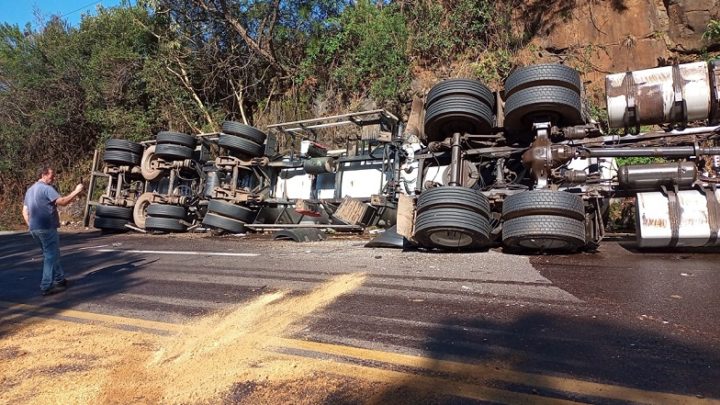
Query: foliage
x=712 y=33
x=638 y=160
x=361 y=54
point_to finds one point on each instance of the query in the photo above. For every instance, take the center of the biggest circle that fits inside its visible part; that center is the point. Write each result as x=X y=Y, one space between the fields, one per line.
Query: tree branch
x=185 y=80
x=265 y=54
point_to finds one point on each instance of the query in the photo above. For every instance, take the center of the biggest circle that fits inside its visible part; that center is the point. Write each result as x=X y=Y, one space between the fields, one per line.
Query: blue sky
x=21 y=12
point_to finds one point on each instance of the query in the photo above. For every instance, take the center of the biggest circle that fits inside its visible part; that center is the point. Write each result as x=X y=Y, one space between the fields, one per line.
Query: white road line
x=175 y=252
x=92 y=247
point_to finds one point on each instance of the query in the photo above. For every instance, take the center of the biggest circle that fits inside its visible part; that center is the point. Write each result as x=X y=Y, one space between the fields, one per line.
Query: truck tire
x=224 y=223
x=173 y=152
x=463 y=114
x=541 y=233
x=111 y=211
x=166 y=211
x=124 y=145
x=541 y=202
x=244 y=131
x=548 y=74
x=451 y=229
x=121 y=158
x=468 y=87
x=561 y=106
x=175 y=138
x=233 y=211
x=110 y=224
x=164 y=224
x=241 y=145
x=454 y=197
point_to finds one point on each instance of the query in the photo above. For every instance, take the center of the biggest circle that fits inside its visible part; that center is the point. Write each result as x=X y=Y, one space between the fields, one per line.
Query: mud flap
x=405 y=216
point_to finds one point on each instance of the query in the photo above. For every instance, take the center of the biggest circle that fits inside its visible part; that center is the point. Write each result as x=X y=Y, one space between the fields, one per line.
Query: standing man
x=41 y=216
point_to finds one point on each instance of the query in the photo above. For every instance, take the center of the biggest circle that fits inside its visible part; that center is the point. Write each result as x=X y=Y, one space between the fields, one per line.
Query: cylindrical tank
x=319 y=165
x=654 y=226
x=669 y=94
x=652 y=177
x=212 y=180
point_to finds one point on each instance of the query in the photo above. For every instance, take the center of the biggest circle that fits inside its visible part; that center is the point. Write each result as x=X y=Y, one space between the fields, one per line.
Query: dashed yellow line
x=465 y=371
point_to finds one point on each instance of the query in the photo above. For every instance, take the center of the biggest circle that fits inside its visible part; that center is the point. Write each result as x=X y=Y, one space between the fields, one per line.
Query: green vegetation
x=712 y=33
x=636 y=160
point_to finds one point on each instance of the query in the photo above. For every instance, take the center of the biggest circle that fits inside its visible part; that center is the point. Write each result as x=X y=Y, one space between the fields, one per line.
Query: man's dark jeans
x=50 y=243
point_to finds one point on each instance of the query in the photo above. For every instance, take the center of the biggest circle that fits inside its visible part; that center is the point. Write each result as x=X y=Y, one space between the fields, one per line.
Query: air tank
x=212 y=180
x=319 y=165
x=669 y=94
x=652 y=177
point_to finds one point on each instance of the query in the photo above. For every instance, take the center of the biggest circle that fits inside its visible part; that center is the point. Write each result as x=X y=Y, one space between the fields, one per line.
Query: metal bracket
x=675 y=214
x=631 y=118
x=679 y=108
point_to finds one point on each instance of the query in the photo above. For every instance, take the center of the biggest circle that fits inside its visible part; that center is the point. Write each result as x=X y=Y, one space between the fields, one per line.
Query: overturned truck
x=528 y=168
x=525 y=167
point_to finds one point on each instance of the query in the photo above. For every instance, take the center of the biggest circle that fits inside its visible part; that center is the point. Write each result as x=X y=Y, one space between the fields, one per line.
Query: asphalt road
x=615 y=326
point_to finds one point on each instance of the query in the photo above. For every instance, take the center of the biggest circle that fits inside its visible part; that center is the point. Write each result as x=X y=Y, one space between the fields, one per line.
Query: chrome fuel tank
x=693 y=219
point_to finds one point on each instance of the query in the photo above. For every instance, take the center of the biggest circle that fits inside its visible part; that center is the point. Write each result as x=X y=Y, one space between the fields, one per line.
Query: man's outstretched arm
x=63 y=201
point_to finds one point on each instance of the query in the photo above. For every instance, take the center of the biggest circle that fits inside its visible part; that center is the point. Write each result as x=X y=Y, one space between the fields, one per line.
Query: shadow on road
x=528 y=355
x=91 y=275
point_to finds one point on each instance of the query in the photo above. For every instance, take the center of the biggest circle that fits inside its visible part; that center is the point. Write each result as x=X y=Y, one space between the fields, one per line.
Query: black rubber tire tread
x=547 y=74
x=115 y=224
x=544 y=229
x=224 y=223
x=562 y=105
x=164 y=224
x=244 y=131
x=124 y=144
x=454 y=197
x=541 y=202
x=173 y=152
x=462 y=221
x=241 y=145
x=452 y=114
x=233 y=211
x=121 y=158
x=468 y=87
x=112 y=211
x=176 y=138
x=166 y=211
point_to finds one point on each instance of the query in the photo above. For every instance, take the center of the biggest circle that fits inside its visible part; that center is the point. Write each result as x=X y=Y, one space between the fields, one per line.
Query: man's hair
x=43 y=170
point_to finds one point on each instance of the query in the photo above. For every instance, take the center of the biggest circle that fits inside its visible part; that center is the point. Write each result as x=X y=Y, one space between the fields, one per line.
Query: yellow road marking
x=425 y=383
x=474 y=371
x=34 y=310
x=463 y=370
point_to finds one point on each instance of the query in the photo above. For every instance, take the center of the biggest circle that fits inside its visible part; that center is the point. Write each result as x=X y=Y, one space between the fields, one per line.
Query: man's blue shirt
x=40 y=200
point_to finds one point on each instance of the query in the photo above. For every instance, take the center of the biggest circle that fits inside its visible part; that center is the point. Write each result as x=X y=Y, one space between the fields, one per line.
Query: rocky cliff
x=604 y=36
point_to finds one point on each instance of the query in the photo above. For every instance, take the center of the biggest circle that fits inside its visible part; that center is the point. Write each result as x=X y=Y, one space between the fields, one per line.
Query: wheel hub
x=450 y=238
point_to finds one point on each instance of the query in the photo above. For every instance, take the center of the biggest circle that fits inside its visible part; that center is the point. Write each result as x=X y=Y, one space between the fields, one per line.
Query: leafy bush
x=712 y=33
x=362 y=53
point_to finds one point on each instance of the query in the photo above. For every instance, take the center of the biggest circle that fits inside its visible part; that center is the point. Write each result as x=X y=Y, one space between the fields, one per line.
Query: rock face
x=599 y=37
x=688 y=20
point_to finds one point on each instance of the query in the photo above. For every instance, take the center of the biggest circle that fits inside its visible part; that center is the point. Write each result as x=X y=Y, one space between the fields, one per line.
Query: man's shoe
x=50 y=291
x=62 y=283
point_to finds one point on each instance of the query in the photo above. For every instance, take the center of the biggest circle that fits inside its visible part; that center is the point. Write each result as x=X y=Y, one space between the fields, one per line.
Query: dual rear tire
x=228 y=217
x=544 y=221
x=452 y=218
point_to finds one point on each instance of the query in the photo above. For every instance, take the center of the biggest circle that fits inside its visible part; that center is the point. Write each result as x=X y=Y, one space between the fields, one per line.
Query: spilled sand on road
x=51 y=361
